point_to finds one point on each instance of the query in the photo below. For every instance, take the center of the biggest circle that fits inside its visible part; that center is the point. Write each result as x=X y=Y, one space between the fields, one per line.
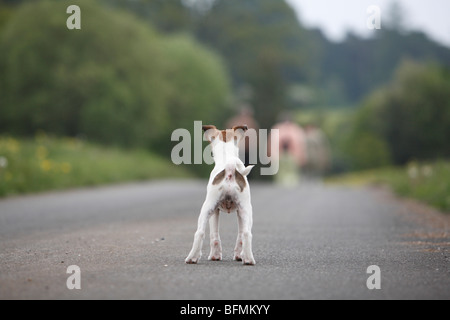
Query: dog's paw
x=216 y=251
x=191 y=261
x=215 y=258
x=248 y=262
x=237 y=258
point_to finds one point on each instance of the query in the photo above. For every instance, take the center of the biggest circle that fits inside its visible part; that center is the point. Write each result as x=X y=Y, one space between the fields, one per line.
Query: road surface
x=311 y=242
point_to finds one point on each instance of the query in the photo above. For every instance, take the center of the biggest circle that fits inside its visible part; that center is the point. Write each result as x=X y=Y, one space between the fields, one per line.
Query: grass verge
x=427 y=182
x=47 y=163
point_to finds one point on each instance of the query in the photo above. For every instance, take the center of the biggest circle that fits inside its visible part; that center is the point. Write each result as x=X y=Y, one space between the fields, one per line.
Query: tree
x=115 y=81
x=340 y=73
x=101 y=81
x=411 y=115
x=199 y=84
x=269 y=89
x=264 y=46
x=395 y=18
x=168 y=16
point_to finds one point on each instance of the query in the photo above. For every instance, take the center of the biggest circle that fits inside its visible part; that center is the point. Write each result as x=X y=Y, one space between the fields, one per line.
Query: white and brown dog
x=228 y=191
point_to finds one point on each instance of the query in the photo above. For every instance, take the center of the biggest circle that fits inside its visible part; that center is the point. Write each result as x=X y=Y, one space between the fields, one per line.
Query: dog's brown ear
x=210 y=132
x=207 y=127
x=239 y=132
x=243 y=127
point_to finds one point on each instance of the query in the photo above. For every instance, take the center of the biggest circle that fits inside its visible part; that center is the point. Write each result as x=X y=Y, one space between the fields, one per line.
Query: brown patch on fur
x=240 y=180
x=210 y=132
x=244 y=127
x=207 y=127
x=219 y=177
x=224 y=135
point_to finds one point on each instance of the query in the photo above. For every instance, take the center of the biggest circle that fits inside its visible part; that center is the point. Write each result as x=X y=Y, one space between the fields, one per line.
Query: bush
x=425 y=181
x=48 y=163
x=417 y=112
x=96 y=81
x=369 y=151
x=115 y=81
x=409 y=119
x=199 y=86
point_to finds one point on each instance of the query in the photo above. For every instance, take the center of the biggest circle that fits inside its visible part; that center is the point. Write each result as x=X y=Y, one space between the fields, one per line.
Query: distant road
x=311 y=242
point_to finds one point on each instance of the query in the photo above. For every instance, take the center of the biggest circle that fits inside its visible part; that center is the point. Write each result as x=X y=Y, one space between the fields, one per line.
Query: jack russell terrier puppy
x=228 y=191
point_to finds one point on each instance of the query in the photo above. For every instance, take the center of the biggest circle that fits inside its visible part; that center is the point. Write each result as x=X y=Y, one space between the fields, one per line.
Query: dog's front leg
x=196 y=252
x=245 y=219
x=216 y=246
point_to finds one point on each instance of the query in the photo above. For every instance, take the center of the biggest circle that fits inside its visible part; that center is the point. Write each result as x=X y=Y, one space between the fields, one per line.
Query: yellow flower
x=41 y=152
x=46 y=165
x=8 y=176
x=66 y=167
x=73 y=143
x=12 y=145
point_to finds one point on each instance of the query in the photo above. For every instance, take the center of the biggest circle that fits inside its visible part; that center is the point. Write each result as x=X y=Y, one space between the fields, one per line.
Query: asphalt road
x=311 y=242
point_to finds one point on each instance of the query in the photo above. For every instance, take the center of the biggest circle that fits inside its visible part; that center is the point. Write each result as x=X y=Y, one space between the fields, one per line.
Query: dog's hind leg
x=245 y=230
x=238 y=247
x=196 y=252
x=216 y=246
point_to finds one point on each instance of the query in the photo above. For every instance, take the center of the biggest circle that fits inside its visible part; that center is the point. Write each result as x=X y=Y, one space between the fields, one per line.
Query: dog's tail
x=246 y=170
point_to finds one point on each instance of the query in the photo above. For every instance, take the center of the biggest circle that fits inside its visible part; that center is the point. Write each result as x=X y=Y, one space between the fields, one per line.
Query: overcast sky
x=335 y=17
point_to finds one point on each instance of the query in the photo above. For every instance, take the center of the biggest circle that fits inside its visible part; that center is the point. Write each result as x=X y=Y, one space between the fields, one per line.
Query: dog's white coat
x=226 y=157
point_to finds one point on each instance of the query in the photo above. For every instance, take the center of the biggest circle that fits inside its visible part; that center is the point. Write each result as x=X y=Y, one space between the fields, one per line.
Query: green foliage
x=357 y=66
x=246 y=32
x=242 y=31
x=335 y=124
x=95 y=81
x=169 y=16
x=265 y=48
x=426 y=181
x=199 y=86
x=269 y=89
x=410 y=118
x=418 y=113
x=115 y=81
x=199 y=89
x=45 y=163
x=369 y=151
x=119 y=81
x=5 y=14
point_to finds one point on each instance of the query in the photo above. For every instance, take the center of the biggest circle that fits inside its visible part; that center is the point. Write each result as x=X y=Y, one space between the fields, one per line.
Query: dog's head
x=224 y=143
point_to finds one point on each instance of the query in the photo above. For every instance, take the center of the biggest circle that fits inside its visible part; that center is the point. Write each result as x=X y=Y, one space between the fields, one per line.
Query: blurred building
x=318 y=155
x=292 y=153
